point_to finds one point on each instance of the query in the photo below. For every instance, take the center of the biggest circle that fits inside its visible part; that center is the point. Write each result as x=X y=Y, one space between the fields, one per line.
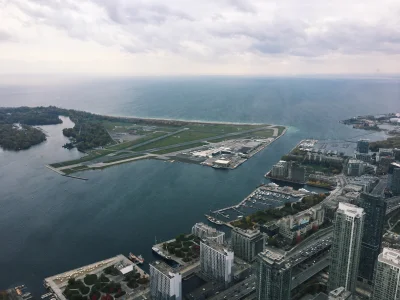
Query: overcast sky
x=159 y=37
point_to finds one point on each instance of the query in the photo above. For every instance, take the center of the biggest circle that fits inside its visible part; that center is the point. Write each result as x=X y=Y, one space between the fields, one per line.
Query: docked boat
x=136 y=259
x=161 y=253
x=46 y=295
x=215 y=221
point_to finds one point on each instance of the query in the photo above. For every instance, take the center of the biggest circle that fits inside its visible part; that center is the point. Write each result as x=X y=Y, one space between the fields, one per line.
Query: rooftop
x=355 y=161
x=222 y=161
x=164 y=268
x=351 y=210
x=390 y=256
x=339 y=294
x=250 y=233
x=385 y=150
x=218 y=247
x=211 y=231
x=272 y=256
x=396 y=164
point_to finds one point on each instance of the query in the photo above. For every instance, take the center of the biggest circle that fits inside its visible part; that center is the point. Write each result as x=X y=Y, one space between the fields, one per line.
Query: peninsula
x=109 y=140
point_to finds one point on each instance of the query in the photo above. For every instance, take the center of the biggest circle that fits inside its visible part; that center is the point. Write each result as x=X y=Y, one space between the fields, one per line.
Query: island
x=389 y=123
x=16 y=126
x=111 y=140
x=20 y=137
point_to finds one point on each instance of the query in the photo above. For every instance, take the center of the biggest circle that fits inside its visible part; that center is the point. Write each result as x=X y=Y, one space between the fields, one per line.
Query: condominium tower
x=375 y=211
x=165 y=283
x=274 y=277
x=387 y=276
x=247 y=243
x=346 y=246
x=216 y=261
x=204 y=232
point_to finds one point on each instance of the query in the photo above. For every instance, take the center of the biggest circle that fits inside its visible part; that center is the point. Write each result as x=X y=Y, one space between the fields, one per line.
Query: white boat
x=215 y=221
x=160 y=253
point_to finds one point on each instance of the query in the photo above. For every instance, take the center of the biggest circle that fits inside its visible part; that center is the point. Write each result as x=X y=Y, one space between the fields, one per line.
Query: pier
x=64 y=174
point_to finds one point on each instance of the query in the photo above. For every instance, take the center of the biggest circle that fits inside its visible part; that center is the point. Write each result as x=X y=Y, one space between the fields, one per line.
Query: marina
x=264 y=197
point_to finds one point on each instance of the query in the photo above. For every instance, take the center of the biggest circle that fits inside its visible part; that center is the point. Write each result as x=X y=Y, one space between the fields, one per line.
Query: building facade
x=387 y=276
x=355 y=167
x=165 y=283
x=216 y=261
x=274 y=277
x=296 y=225
x=204 y=231
x=339 y=294
x=383 y=152
x=363 y=146
x=346 y=246
x=280 y=170
x=394 y=178
x=246 y=244
x=375 y=211
x=365 y=157
x=296 y=172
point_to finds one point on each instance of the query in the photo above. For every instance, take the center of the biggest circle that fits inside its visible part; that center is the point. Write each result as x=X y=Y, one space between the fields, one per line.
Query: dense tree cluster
x=4 y=295
x=88 y=132
x=265 y=216
x=30 y=116
x=88 y=135
x=392 y=142
x=13 y=137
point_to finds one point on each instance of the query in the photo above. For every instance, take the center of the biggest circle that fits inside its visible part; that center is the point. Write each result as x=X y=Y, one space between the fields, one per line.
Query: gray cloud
x=243 y=5
x=123 y=12
x=292 y=38
x=207 y=30
x=5 y=36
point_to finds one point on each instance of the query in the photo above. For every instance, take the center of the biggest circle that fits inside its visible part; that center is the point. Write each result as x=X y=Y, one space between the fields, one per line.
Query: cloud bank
x=154 y=37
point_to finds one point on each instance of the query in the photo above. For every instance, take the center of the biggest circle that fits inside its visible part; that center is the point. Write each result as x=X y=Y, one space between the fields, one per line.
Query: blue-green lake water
x=50 y=224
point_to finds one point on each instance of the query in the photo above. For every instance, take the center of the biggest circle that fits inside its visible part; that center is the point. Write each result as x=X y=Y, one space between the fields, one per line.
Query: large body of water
x=50 y=224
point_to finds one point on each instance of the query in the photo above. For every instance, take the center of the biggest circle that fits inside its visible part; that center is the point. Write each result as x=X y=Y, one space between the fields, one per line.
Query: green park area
x=4 y=295
x=184 y=246
x=327 y=167
x=104 y=286
x=266 y=216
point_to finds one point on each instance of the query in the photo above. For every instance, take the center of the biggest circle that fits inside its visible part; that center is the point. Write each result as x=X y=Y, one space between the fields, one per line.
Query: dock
x=64 y=174
x=223 y=223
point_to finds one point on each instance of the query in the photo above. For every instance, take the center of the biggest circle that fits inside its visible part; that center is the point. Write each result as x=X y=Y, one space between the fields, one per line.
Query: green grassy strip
x=183 y=137
x=266 y=133
x=81 y=160
x=280 y=129
x=165 y=151
x=136 y=142
x=123 y=158
x=223 y=128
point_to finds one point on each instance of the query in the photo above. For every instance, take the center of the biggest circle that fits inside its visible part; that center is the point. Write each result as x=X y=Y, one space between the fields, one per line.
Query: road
x=311 y=271
x=239 y=290
x=379 y=188
x=312 y=240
